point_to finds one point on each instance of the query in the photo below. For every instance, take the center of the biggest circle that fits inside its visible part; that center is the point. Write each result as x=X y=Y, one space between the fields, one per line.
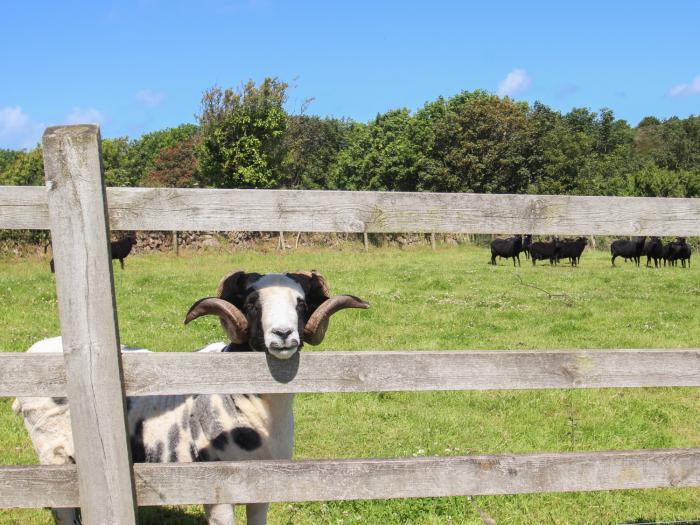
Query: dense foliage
x=471 y=142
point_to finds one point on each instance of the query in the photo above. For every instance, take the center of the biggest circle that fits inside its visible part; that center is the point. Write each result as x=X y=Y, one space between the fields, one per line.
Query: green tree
x=8 y=157
x=480 y=145
x=115 y=162
x=311 y=145
x=27 y=169
x=388 y=154
x=653 y=181
x=242 y=135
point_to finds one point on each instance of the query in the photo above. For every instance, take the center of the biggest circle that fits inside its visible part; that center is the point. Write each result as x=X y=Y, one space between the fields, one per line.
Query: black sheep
x=119 y=249
x=667 y=255
x=509 y=248
x=527 y=241
x=545 y=250
x=572 y=249
x=628 y=249
x=678 y=250
x=653 y=249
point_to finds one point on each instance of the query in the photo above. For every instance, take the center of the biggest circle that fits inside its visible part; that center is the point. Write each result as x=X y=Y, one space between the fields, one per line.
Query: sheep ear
x=316 y=290
x=234 y=287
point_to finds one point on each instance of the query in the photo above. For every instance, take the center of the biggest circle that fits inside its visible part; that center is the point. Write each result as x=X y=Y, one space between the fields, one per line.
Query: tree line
x=471 y=142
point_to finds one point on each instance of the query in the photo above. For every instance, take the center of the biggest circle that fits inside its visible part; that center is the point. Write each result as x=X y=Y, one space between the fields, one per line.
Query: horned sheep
x=273 y=313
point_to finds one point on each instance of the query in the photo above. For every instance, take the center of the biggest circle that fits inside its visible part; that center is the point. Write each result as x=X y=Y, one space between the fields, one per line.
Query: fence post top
x=75 y=130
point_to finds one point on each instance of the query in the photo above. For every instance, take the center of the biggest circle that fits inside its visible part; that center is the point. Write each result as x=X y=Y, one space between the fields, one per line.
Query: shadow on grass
x=168 y=516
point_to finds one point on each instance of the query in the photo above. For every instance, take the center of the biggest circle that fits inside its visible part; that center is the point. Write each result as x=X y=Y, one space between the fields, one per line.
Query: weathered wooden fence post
x=87 y=312
x=176 y=243
x=432 y=241
x=366 y=241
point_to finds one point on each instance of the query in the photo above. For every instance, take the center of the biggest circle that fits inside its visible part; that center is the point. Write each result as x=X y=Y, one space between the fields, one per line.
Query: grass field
x=423 y=300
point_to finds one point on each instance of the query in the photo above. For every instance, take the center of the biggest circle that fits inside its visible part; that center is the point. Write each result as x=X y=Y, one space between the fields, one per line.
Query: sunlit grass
x=421 y=300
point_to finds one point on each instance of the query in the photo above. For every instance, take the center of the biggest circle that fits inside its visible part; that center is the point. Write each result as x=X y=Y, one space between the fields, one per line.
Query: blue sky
x=141 y=65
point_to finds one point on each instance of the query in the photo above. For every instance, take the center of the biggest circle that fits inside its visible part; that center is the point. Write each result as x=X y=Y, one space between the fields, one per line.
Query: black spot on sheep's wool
x=203 y=455
x=155 y=454
x=138 y=451
x=220 y=442
x=60 y=401
x=195 y=427
x=246 y=438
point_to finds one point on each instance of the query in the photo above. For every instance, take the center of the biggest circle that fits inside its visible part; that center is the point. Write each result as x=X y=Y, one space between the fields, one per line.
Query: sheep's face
x=274 y=313
x=276 y=310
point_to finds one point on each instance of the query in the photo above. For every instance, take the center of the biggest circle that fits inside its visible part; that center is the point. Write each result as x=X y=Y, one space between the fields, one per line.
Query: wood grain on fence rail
x=207 y=373
x=24 y=207
x=23 y=374
x=171 y=373
x=87 y=313
x=358 y=211
x=289 y=481
x=32 y=486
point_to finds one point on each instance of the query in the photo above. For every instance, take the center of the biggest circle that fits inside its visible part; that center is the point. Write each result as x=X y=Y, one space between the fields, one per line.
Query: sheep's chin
x=283 y=353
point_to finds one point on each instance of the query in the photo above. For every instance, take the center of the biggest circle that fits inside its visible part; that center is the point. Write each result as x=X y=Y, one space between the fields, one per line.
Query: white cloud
x=150 y=98
x=17 y=129
x=85 y=116
x=515 y=82
x=686 y=90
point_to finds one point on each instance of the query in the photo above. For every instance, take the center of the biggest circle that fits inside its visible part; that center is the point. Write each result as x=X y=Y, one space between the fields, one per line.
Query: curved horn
x=232 y=319
x=316 y=326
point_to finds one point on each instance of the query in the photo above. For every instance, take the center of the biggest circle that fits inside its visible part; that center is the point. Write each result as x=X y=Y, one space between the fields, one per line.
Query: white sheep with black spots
x=273 y=313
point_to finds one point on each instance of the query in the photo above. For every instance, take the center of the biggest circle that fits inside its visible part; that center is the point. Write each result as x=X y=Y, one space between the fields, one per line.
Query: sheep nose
x=283 y=333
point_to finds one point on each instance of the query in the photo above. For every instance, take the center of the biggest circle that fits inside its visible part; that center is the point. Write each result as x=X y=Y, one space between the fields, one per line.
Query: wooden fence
x=95 y=377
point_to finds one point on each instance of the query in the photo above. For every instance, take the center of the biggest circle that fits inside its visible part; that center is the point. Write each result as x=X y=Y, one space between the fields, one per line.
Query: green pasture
x=423 y=300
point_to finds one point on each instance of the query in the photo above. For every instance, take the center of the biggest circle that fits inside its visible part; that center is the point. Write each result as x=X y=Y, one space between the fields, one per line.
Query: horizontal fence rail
x=160 y=373
x=351 y=479
x=358 y=211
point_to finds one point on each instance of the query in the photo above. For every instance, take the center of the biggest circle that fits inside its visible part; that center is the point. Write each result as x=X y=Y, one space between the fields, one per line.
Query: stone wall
x=231 y=241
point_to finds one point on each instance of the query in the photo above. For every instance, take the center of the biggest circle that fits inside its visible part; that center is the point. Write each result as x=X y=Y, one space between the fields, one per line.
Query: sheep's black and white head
x=274 y=313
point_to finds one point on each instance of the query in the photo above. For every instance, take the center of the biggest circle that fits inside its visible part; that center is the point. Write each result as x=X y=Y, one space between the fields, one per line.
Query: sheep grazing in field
x=678 y=250
x=273 y=313
x=653 y=249
x=527 y=241
x=545 y=250
x=119 y=249
x=572 y=249
x=628 y=249
x=122 y=248
x=509 y=248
